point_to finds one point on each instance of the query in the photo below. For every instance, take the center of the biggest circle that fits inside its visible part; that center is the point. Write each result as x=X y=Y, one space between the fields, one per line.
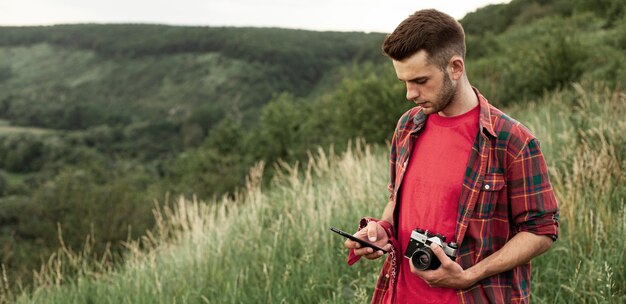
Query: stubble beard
x=446 y=95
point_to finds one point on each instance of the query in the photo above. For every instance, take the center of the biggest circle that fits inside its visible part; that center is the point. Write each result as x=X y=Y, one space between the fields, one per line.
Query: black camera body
x=419 y=252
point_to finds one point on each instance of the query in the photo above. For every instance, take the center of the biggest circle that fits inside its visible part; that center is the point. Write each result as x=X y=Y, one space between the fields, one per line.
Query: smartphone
x=358 y=240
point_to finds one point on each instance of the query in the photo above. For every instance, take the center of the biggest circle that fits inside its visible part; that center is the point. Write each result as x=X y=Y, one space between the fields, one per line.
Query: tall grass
x=274 y=246
x=263 y=246
x=583 y=134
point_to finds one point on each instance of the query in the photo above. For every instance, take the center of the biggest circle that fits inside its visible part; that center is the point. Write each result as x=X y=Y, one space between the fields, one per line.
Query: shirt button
x=387 y=276
x=487 y=187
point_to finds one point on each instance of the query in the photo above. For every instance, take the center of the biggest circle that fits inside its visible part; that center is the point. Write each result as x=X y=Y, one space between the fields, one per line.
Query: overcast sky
x=337 y=15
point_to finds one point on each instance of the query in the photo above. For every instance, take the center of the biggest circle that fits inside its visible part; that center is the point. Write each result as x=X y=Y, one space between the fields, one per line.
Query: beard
x=446 y=95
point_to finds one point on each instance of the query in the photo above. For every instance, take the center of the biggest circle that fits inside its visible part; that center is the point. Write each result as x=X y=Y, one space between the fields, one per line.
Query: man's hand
x=517 y=251
x=373 y=233
x=448 y=275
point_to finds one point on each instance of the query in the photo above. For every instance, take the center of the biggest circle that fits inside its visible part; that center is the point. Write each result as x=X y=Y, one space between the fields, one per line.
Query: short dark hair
x=440 y=35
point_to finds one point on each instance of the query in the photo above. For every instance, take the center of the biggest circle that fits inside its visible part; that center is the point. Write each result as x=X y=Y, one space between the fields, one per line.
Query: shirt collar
x=484 y=121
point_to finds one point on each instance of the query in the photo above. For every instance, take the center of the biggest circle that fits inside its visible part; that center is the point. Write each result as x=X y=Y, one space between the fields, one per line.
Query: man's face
x=426 y=84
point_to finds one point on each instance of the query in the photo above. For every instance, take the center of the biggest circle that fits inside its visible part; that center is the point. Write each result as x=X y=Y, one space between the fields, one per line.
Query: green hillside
x=103 y=119
x=173 y=79
x=274 y=246
x=101 y=123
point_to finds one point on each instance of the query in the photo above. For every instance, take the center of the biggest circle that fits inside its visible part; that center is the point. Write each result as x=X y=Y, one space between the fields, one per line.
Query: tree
x=370 y=100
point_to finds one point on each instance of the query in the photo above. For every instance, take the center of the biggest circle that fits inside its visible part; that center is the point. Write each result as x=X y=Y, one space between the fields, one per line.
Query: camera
x=419 y=252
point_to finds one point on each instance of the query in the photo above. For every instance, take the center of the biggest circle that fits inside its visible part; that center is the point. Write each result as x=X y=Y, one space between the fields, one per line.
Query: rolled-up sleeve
x=533 y=205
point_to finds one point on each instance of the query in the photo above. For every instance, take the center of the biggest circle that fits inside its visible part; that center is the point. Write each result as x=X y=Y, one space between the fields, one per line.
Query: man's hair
x=440 y=35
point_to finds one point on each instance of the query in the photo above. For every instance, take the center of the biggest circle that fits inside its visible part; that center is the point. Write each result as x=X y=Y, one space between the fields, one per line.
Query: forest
x=100 y=123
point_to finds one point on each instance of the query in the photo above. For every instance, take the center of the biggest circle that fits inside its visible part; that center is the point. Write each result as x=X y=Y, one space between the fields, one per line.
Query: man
x=460 y=168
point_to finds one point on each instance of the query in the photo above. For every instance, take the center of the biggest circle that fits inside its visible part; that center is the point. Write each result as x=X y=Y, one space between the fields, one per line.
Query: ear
x=456 y=67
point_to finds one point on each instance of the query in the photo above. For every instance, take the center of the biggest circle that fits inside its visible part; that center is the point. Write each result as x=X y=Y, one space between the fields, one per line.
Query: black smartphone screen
x=360 y=241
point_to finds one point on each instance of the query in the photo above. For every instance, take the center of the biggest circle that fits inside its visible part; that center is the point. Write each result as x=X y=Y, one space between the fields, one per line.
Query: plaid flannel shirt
x=505 y=190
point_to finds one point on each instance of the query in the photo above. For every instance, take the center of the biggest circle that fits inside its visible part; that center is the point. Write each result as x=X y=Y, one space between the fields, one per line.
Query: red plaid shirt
x=505 y=190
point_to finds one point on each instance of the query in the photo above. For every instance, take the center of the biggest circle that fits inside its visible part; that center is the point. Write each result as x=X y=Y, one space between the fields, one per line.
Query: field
x=273 y=245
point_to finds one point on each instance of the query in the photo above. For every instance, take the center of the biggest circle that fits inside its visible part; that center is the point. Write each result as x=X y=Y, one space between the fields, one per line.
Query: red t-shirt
x=429 y=195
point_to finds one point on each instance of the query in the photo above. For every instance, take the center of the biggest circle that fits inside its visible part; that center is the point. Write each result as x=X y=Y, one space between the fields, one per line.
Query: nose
x=412 y=92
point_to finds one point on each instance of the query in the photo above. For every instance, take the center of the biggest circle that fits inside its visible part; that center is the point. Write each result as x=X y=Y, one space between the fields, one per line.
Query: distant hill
x=80 y=76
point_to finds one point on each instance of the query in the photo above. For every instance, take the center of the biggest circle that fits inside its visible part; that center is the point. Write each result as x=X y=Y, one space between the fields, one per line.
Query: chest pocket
x=491 y=191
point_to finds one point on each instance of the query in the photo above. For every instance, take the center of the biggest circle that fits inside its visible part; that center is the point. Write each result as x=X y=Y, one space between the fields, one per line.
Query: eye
x=419 y=80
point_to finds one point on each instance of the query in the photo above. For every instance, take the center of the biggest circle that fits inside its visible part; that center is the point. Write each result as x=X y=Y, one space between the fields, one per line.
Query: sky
x=320 y=15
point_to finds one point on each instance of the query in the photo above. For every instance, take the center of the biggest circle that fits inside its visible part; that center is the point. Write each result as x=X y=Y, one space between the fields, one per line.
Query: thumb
x=372 y=231
x=438 y=251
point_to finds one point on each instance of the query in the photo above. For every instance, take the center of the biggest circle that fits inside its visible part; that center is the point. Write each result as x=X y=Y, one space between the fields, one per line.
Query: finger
x=361 y=233
x=351 y=244
x=374 y=255
x=372 y=231
x=388 y=247
x=363 y=251
x=441 y=255
x=415 y=270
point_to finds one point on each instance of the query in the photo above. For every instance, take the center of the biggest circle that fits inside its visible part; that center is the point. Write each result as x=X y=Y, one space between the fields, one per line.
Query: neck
x=464 y=100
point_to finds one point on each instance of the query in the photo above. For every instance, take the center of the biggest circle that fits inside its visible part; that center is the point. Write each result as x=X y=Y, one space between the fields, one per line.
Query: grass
x=583 y=130
x=266 y=247
x=273 y=245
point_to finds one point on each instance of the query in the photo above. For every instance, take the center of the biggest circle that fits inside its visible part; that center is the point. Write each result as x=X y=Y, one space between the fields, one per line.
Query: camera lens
x=425 y=259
